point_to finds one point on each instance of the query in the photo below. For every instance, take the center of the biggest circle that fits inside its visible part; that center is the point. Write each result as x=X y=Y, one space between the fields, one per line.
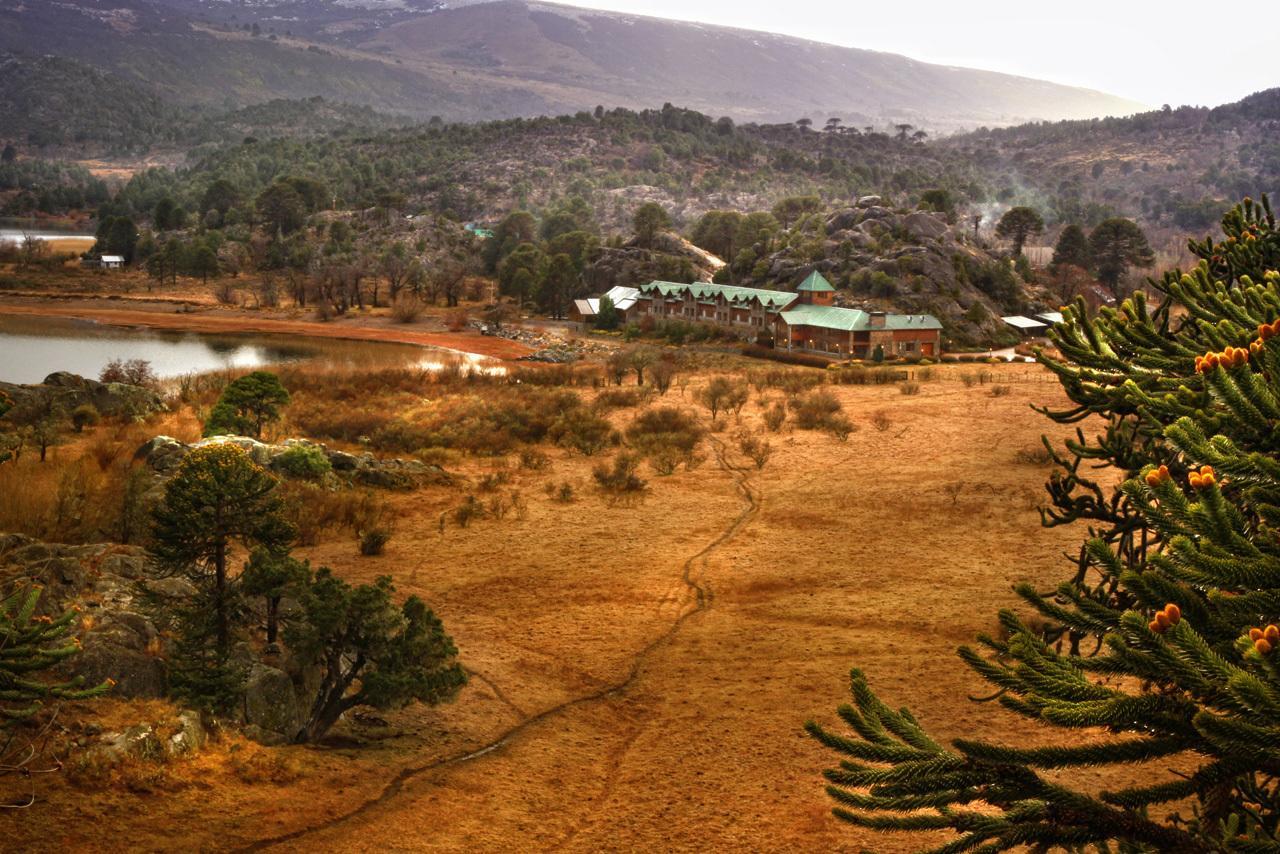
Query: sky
x=1174 y=52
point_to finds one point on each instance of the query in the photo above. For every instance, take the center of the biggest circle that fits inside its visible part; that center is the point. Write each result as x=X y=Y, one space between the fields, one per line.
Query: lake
x=13 y=231
x=31 y=348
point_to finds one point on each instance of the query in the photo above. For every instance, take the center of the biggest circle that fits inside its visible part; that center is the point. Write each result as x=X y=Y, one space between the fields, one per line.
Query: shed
x=112 y=262
x=1027 y=327
x=1050 y=317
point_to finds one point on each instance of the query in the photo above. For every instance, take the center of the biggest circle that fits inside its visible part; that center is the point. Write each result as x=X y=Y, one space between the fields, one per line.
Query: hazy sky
x=1174 y=52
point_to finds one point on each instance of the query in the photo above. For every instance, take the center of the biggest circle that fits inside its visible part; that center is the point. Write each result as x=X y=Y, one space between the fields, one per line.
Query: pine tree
x=1072 y=248
x=1019 y=225
x=246 y=405
x=1187 y=661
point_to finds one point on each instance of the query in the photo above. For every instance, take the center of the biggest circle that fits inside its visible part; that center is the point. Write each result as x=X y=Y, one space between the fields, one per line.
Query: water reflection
x=33 y=347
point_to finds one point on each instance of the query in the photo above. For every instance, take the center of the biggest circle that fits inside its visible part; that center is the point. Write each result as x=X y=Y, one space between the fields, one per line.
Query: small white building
x=1026 y=326
x=111 y=262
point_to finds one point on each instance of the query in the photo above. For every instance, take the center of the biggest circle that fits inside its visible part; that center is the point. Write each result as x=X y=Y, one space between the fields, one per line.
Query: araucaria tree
x=217 y=499
x=1116 y=245
x=246 y=405
x=1186 y=677
x=31 y=647
x=1018 y=225
x=369 y=652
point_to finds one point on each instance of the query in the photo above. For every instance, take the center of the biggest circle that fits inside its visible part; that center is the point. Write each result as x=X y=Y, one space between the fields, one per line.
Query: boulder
x=190 y=736
x=843 y=220
x=870 y=201
x=270 y=703
x=924 y=226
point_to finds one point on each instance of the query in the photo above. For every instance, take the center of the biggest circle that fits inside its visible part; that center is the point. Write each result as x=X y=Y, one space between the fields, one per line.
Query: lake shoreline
x=162 y=315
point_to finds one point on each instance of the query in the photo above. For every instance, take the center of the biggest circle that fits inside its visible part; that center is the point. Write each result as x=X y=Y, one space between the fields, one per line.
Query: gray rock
x=870 y=201
x=924 y=226
x=190 y=736
x=270 y=702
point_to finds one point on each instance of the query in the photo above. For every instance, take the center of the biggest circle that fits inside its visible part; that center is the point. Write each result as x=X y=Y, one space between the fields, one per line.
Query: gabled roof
x=854 y=319
x=1050 y=317
x=731 y=293
x=587 y=307
x=622 y=297
x=826 y=317
x=113 y=259
x=815 y=282
x=1017 y=321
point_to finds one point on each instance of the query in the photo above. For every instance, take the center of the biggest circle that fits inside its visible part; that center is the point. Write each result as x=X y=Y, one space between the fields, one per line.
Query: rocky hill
x=908 y=261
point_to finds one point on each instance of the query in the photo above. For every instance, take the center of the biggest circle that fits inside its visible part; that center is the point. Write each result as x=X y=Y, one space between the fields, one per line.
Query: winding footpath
x=692 y=575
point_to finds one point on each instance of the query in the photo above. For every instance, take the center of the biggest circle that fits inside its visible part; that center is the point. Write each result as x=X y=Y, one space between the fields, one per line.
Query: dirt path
x=692 y=576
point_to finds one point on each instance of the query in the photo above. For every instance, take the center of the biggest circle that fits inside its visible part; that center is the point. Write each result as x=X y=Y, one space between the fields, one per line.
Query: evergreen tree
x=32 y=645
x=246 y=405
x=368 y=652
x=1072 y=248
x=217 y=499
x=1185 y=627
x=649 y=219
x=271 y=576
x=1018 y=225
x=1116 y=245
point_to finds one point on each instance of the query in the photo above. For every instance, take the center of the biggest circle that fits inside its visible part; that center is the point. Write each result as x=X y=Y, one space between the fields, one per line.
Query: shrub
x=582 y=430
x=666 y=436
x=467 y=511
x=374 y=541
x=620 y=398
x=880 y=420
x=840 y=426
x=407 y=308
x=1001 y=390
x=759 y=450
x=812 y=411
x=562 y=493
x=619 y=480
x=723 y=394
x=85 y=415
x=533 y=460
x=789 y=357
x=774 y=417
x=304 y=462
x=909 y=388
x=131 y=372
x=1035 y=456
x=662 y=373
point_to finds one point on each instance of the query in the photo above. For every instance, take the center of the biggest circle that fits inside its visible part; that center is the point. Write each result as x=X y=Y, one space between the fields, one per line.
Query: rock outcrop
x=162 y=455
x=68 y=391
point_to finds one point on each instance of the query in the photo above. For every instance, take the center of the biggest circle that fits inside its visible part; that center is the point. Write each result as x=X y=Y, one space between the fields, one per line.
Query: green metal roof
x=911 y=321
x=826 y=317
x=816 y=282
x=853 y=319
x=732 y=293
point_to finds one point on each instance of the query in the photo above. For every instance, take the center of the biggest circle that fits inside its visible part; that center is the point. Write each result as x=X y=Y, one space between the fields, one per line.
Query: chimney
x=877 y=320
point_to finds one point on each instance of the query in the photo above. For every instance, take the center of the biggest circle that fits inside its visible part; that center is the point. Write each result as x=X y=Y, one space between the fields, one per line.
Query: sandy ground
x=641 y=674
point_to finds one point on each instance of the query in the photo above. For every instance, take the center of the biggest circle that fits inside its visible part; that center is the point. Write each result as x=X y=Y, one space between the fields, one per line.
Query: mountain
x=511 y=58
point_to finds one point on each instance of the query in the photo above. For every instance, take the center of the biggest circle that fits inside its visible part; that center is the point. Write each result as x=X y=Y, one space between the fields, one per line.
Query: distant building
x=111 y=262
x=1027 y=327
x=804 y=320
x=587 y=310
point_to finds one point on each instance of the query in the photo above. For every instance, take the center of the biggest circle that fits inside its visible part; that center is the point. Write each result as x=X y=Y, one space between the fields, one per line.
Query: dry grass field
x=641 y=672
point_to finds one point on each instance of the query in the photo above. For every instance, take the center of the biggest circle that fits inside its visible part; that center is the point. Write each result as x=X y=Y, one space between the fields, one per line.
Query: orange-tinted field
x=641 y=673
